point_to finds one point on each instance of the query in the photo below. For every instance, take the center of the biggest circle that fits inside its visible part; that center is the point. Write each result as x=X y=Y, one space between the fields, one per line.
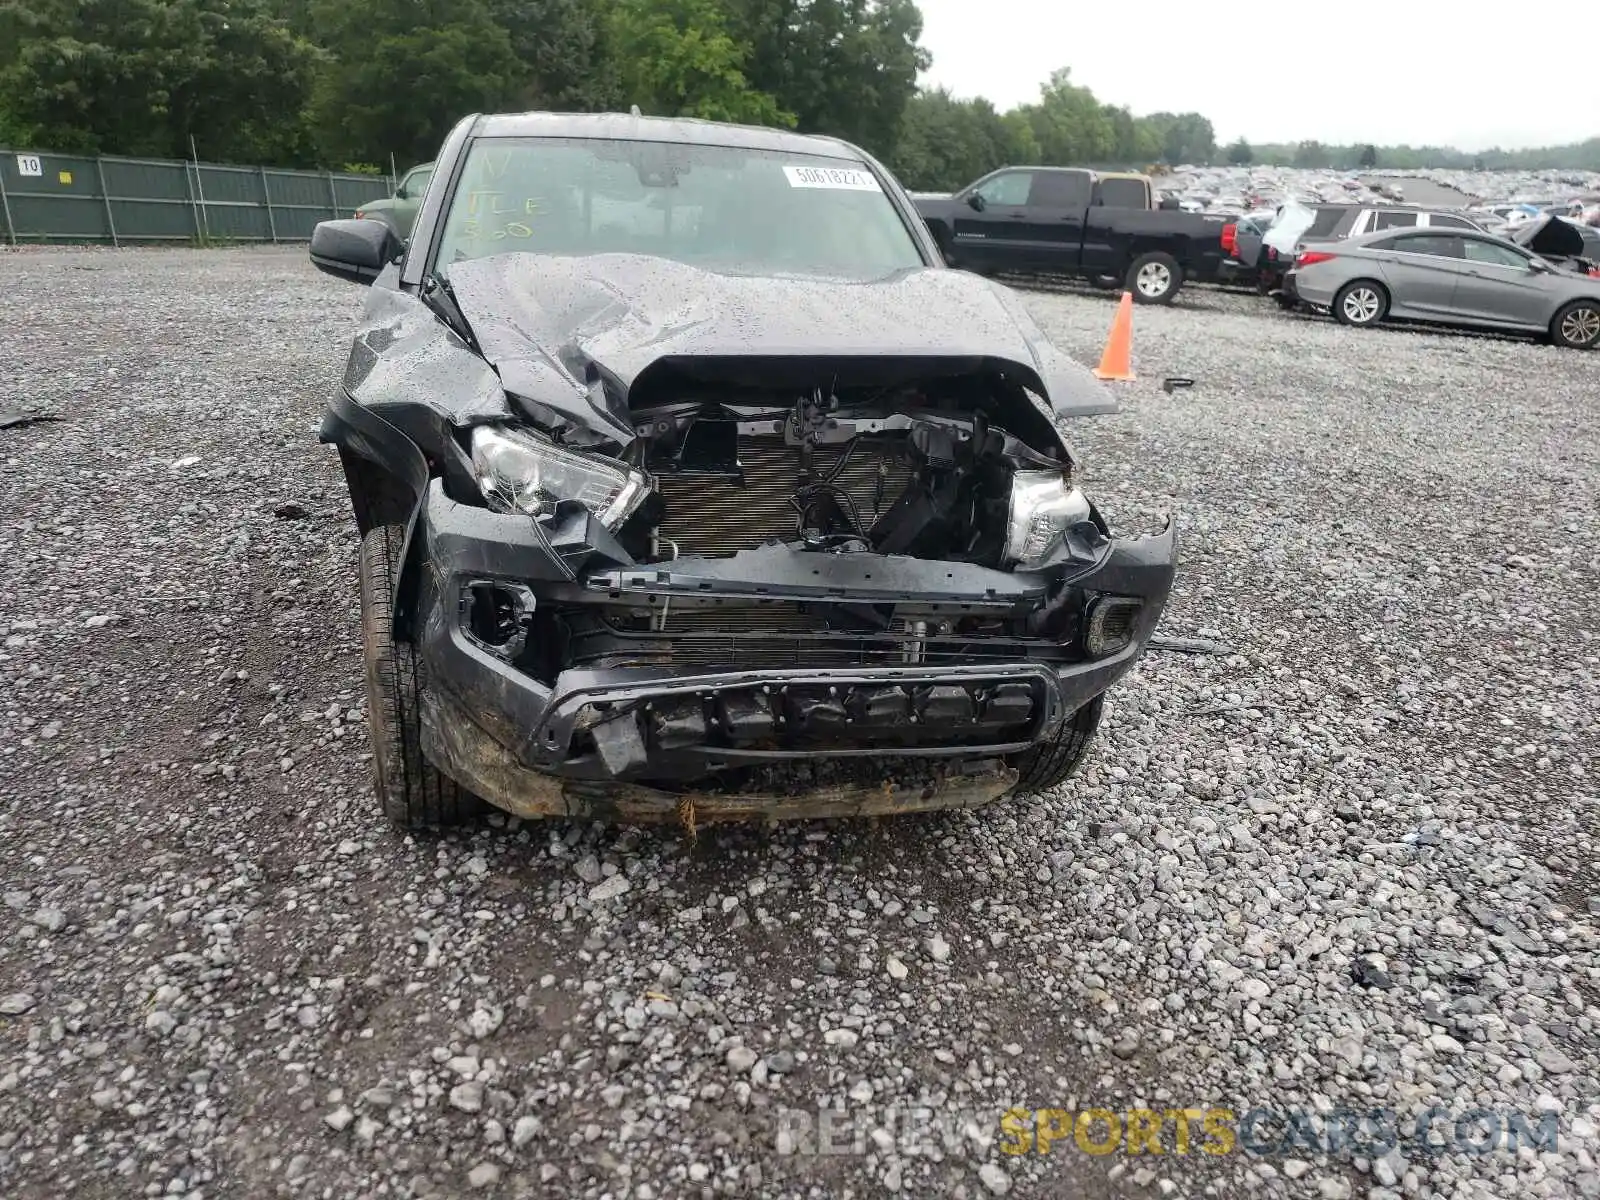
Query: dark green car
x=399 y=211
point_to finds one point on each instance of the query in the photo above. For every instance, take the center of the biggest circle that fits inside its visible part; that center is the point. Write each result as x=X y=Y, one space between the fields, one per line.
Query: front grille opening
x=706 y=515
x=845 y=714
x=790 y=634
x=548 y=649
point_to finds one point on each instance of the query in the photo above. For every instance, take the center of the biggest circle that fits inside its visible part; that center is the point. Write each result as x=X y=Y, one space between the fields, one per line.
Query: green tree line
x=1583 y=156
x=337 y=82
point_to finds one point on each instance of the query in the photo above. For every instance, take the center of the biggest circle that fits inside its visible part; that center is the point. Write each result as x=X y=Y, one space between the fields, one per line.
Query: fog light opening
x=496 y=616
x=1111 y=625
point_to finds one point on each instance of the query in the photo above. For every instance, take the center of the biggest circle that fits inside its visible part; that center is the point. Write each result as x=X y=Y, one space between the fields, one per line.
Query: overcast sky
x=1418 y=74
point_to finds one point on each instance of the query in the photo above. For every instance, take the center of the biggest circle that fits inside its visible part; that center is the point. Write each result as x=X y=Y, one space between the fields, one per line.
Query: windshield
x=720 y=207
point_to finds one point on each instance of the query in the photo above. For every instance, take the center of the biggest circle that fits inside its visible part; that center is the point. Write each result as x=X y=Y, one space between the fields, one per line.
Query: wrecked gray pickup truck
x=693 y=486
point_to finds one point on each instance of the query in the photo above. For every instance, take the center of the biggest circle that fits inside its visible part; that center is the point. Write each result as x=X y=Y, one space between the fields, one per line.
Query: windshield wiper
x=440 y=298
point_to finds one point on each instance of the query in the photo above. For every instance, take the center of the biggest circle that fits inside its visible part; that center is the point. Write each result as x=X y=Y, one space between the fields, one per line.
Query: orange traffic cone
x=1117 y=361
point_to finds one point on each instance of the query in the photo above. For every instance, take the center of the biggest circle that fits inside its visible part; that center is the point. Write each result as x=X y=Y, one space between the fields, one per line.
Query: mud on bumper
x=584 y=740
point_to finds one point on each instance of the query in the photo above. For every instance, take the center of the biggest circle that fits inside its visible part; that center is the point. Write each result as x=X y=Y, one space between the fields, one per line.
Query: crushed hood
x=550 y=325
x=1549 y=237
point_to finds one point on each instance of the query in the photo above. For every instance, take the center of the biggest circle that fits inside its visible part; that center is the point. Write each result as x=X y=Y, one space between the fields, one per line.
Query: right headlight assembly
x=1044 y=508
x=519 y=471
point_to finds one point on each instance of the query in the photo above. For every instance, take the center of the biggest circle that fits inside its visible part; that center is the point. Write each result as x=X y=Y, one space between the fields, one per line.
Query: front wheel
x=1155 y=278
x=412 y=792
x=1577 y=326
x=1049 y=763
x=1361 y=303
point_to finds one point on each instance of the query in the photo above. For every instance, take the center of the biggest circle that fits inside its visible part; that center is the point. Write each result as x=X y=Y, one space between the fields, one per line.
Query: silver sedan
x=1448 y=277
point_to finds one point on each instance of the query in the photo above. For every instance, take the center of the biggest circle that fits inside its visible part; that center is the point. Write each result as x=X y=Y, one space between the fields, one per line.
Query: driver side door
x=991 y=238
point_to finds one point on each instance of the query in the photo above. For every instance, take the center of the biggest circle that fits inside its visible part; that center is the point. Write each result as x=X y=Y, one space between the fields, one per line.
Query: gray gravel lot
x=222 y=975
x=1422 y=191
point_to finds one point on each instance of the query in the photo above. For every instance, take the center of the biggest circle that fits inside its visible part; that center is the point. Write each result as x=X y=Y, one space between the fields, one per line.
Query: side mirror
x=353 y=250
x=977 y=202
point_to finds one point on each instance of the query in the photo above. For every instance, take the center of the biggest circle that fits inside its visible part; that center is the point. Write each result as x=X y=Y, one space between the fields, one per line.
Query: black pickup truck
x=1066 y=221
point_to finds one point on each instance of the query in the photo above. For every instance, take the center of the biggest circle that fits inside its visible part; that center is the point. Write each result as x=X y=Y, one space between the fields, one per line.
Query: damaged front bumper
x=632 y=735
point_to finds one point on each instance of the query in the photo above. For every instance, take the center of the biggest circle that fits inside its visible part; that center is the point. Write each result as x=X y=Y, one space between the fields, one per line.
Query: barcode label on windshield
x=832 y=177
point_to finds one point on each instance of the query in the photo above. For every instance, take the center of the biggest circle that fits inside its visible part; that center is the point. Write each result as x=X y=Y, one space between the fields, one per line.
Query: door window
x=1007 y=188
x=1393 y=220
x=1123 y=193
x=414 y=184
x=1493 y=255
x=1060 y=189
x=1445 y=221
x=1437 y=245
x=1325 y=222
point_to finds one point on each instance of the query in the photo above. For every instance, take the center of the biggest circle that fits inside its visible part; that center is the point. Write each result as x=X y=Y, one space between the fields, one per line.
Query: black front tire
x=412 y=793
x=1577 y=326
x=1049 y=763
x=1155 y=278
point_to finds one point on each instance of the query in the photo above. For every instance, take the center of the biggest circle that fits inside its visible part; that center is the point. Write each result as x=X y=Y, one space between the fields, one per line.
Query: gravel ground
x=1351 y=864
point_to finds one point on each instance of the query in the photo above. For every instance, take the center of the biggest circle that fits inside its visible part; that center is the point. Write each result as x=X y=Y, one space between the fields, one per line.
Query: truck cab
x=1069 y=221
x=1021 y=214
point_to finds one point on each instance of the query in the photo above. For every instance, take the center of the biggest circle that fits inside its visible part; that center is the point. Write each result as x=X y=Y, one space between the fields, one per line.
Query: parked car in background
x=399 y=211
x=1066 y=221
x=1363 y=219
x=689 y=476
x=1450 y=278
x=1263 y=247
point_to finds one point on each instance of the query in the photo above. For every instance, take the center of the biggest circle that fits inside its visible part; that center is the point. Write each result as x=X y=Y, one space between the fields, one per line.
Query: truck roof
x=685 y=130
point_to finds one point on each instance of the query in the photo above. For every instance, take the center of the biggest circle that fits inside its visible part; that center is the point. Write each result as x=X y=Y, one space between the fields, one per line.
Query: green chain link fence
x=48 y=197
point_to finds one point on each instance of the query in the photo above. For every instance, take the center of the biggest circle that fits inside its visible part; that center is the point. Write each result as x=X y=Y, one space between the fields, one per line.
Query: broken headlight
x=522 y=472
x=1044 y=508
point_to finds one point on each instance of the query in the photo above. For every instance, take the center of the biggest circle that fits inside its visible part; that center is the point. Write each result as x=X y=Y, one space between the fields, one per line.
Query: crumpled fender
x=363 y=434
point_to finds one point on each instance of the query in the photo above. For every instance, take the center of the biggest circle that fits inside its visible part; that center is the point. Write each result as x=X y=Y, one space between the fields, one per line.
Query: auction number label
x=29 y=164
x=832 y=177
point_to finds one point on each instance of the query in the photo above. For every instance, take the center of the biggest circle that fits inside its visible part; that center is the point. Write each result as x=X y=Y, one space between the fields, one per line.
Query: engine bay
x=903 y=471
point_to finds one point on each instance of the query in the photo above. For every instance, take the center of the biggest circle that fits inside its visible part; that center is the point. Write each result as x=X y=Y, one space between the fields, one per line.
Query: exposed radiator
x=720 y=516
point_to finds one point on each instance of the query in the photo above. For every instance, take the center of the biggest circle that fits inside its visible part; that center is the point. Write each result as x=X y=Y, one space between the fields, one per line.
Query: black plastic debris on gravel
x=17 y=417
